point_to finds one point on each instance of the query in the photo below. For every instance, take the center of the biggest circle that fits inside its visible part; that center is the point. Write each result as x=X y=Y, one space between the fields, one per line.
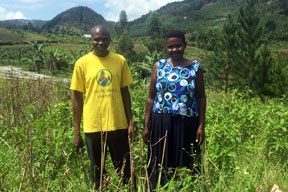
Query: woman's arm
x=201 y=101
x=149 y=104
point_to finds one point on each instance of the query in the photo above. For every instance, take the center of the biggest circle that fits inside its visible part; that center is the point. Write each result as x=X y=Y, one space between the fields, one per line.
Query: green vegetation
x=245 y=74
x=245 y=150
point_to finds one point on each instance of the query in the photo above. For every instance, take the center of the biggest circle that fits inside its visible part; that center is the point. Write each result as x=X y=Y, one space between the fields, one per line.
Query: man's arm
x=127 y=107
x=77 y=104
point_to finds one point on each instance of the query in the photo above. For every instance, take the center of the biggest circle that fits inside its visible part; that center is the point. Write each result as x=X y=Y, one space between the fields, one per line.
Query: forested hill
x=189 y=15
x=75 y=19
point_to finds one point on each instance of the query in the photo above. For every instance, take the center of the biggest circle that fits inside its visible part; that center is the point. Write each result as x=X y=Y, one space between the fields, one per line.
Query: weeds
x=245 y=150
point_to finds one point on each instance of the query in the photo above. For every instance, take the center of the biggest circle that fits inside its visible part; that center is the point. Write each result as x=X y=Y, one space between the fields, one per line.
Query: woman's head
x=175 y=45
x=176 y=33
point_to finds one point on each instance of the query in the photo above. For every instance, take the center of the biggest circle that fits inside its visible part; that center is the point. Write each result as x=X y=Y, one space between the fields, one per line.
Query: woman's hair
x=176 y=33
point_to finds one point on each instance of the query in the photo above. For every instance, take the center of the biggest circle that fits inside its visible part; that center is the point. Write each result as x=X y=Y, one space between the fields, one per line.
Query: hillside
x=77 y=19
x=190 y=15
x=16 y=23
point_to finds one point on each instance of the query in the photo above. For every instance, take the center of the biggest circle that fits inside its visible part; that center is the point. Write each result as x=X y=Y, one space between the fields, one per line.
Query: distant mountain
x=187 y=15
x=15 y=23
x=78 y=19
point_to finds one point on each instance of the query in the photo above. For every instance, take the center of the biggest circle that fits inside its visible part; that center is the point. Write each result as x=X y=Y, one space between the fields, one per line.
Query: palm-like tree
x=38 y=56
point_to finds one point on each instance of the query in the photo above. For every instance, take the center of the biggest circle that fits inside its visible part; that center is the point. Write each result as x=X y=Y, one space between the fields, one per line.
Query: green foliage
x=249 y=43
x=155 y=44
x=57 y=61
x=37 y=57
x=205 y=38
x=141 y=70
x=125 y=45
x=270 y=25
x=245 y=150
x=154 y=27
x=222 y=60
x=121 y=25
x=76 y=20
x=242 y=58
x=248 y=138
x=277 y=78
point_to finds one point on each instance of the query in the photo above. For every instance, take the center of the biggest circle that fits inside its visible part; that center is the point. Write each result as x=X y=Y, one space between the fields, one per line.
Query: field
x=245 y=150
x=246 y=146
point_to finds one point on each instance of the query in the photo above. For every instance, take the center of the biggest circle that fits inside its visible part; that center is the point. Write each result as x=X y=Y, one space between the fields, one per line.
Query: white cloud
x=6 y=15
x=134 y=9
x=47 y=9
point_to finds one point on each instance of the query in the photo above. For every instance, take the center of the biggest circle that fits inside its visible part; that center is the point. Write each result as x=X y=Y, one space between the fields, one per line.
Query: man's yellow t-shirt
x=101 y=80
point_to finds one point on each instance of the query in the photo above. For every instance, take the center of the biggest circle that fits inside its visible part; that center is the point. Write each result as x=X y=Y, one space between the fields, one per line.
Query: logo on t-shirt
x=104 y=77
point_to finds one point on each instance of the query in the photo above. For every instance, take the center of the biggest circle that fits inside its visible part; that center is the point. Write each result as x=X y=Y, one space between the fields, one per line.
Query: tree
x=255 y=59
x=125 y=45
x=123 y=19
x=121 y=25
x=153 y=25
x=56 y=61
x=278 y=79
x=242 y=58
x=38 y=56
x=223 y=58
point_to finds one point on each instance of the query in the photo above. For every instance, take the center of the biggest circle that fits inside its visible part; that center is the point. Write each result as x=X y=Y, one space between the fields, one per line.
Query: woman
x=175 y=111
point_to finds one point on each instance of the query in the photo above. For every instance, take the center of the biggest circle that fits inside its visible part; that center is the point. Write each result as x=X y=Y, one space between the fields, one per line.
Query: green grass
x=19 y=36
x=245 y=150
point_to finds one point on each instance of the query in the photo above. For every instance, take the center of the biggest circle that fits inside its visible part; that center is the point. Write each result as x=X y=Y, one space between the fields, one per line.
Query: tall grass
x=245 y=150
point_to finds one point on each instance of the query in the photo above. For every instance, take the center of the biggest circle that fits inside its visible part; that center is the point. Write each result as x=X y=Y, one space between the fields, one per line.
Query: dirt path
x=10 y=72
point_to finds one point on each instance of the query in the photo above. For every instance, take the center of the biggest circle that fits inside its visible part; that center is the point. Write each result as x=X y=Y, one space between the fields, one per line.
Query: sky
x=48 y=9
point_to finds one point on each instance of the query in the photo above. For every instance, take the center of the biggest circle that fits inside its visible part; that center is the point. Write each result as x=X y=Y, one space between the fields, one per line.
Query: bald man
x=101 y=96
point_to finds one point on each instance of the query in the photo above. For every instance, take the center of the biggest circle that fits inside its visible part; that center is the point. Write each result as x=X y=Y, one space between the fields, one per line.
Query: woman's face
x=175 y=48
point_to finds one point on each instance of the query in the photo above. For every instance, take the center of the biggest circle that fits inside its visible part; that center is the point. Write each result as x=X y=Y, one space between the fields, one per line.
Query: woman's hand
x=146 y=135
x=200 y=135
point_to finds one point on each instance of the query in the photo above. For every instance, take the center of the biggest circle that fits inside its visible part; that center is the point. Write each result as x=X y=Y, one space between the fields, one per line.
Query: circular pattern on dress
x=160 y=74
x=173 y=77
x=173 y=100
x=192 y=73
x=172 y=87
x=167 y=68
x=159 y=87
x=166 y=110
x=167 y=96
x=183 y=83
x=191 y=86
x=185 y=73
x=184 y=98
x=176 y=89
x=159 y=97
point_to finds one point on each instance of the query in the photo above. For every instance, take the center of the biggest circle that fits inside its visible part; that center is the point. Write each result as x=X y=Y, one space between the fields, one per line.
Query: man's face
x=100 y=40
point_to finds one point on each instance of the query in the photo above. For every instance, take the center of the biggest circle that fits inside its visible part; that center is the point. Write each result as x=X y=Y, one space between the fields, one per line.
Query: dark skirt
x=180 y=149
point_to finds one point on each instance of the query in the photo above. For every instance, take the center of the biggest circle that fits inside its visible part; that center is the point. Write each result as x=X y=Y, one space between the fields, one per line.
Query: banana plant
x=38 y=57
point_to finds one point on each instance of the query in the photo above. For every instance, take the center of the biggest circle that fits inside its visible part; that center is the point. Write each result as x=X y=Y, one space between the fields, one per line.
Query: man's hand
x=146 y=135
x=78 y=142
x=131 y=134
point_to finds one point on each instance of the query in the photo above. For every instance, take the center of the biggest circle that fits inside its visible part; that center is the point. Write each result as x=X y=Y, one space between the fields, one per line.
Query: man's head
x=100 y=40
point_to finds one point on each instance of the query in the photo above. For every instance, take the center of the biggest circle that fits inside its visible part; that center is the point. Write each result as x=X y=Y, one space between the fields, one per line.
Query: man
x=105 y=105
